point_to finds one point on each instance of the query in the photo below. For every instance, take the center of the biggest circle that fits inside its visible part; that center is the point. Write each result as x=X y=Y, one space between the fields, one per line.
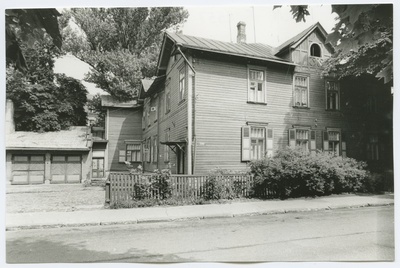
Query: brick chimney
x=10 y=127
x=241 y=35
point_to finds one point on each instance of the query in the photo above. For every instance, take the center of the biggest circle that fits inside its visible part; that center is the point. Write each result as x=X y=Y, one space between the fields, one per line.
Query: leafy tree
x=44 y=101
x=95 y=105
x=363 y=37
x=120 y=44
x=25 y=26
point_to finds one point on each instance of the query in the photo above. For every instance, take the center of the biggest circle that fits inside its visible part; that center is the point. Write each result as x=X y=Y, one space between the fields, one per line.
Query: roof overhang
x=175 y=144
x=169 y=45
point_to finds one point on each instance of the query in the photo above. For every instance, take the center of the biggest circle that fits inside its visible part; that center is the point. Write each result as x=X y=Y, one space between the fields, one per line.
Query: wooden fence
x=125 y=186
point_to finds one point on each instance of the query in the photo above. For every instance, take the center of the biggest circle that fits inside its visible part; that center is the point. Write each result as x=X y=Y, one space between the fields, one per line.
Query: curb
x=191 y=218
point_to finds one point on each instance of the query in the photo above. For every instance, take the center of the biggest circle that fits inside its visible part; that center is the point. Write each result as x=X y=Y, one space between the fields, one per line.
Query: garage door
x=28 y=169
x=66 y=169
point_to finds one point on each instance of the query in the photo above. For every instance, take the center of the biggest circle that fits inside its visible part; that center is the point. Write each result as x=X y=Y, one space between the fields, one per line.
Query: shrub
x=159 y=182
x=219 y=185
x=293 y=173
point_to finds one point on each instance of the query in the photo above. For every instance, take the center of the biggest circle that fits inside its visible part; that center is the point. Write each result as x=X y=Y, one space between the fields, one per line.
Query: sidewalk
x=34 y=220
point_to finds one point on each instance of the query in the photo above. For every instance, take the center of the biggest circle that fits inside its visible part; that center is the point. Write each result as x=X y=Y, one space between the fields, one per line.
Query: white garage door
x=66 y=169
x=28 y=169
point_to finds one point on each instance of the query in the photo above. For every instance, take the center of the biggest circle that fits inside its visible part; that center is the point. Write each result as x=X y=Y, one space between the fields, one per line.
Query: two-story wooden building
x=220 y=104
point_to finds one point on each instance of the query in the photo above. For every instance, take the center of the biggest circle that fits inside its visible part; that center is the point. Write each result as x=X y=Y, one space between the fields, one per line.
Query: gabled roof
x=292 y=42
x=109 y=101
x=73 y=139
x=253 y=51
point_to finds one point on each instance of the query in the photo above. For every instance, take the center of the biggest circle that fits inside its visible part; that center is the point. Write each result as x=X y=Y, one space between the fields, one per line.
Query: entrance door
x=180 y=160
x=98 y=167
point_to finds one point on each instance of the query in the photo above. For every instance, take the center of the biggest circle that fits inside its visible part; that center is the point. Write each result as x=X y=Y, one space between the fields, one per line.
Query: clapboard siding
x=175 y=119
x=222 y=109
x=123 y=124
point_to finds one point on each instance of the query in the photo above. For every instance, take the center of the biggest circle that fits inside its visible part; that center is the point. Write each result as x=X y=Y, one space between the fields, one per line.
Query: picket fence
x=121 y=186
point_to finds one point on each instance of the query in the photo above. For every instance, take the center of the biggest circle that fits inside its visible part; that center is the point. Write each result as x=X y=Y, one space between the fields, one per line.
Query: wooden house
x=220 y=104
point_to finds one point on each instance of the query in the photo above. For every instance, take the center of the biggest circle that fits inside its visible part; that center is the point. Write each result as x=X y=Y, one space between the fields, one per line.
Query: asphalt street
x=362 y=234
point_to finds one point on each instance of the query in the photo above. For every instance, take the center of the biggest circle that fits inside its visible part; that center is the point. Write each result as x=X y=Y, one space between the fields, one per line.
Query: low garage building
x=50 y=157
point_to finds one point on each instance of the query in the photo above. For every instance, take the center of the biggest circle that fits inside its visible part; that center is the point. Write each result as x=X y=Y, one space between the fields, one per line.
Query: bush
x=294 y=173
x=218 y=187
x=159 y=182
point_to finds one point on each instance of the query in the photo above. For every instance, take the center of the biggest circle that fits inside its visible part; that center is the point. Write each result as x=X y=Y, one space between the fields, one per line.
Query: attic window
x=315 y=50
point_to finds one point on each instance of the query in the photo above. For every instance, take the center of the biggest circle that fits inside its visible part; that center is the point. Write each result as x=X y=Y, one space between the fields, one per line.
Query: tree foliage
x=95 y=106
x=363 y=40
x=44 y=101
x=25 y=26
x=120 y=44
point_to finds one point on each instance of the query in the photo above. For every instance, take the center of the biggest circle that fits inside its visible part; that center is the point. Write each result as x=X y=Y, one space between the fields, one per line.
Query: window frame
x=320 y=50
x=167 y=133
x=138 y=143
x=182 y=83
x=167 y=99
x=327 y=141
x=336 y=90
x=307 y=90
x=155 y=149
x=264 y=84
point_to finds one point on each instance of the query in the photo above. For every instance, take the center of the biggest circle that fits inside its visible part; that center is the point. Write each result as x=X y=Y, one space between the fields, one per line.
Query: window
x=304 y=138
x=256 y=91
x=300 y=95
x=315 y=50
x=148 y=121
x=332 y=141
x=373 y=147
x=144 y=119
x=332 y=95
x=133 y=152
x=257 y=142
x=182 y=84
x=166 y=147
x=155 y=152
x=148 y=150
x=167 y=99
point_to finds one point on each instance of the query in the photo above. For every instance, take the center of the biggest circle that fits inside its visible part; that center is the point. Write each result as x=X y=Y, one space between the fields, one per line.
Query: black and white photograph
x=192 y=133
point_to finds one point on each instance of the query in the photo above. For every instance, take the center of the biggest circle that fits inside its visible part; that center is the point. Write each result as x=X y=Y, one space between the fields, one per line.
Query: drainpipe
x=190 y=118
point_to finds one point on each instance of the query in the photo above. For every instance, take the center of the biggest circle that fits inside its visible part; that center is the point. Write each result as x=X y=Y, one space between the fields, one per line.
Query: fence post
x=108 y=188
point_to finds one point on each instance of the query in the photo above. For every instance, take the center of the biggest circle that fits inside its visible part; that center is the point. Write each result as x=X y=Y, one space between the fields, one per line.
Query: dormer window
x=315 y=50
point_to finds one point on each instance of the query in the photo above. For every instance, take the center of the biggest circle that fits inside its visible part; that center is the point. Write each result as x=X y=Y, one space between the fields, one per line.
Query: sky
x=263 y=25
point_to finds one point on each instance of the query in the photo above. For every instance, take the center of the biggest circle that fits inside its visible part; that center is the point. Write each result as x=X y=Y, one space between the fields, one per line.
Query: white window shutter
x=270 y=142
x=313 y=145
x=246 y=145
x=121 y=157
x=292 y=138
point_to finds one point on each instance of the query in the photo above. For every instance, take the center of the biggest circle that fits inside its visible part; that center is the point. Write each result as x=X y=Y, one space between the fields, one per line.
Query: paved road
x=333 y=235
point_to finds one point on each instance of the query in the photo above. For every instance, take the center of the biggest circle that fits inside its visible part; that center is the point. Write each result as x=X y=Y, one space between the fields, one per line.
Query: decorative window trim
x=337 y=90
x=307 y=76
x=264 y=84
x=311 y=145
x=267 y=146
x=340 y=143
x=123 y=154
